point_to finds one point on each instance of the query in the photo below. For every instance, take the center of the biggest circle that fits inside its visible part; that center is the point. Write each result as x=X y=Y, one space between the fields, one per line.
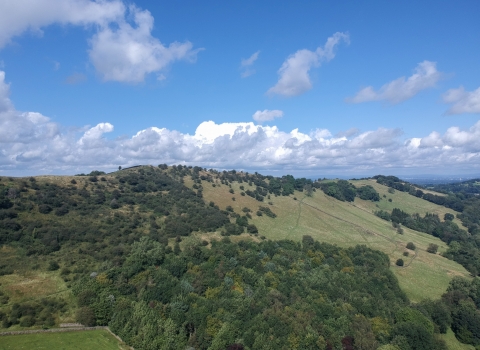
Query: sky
x=309 y=88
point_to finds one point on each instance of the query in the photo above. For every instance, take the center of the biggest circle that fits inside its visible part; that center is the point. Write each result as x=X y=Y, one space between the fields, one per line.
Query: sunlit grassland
x=78 y=340
x=404 y=201
x=348 y=224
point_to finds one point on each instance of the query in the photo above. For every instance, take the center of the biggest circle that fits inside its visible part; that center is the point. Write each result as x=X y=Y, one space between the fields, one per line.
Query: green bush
x=53 y=266
x=411 y=246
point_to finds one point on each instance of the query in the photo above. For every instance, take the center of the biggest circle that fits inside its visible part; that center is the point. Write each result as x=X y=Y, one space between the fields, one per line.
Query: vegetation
x=141 y=250
x=278 y=295
x=345 y=191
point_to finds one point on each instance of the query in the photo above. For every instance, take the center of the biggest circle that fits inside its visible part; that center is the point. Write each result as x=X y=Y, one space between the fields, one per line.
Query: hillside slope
x=347 y=224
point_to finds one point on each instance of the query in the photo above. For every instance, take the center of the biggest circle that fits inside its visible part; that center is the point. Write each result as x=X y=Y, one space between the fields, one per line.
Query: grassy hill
x=347 y=224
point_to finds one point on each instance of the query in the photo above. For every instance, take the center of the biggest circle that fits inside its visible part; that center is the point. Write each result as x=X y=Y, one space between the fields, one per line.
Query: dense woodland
x=115 y=240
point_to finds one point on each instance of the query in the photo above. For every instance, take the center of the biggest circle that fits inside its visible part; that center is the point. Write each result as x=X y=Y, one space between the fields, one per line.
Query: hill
x=61 y=233
x=350 y=223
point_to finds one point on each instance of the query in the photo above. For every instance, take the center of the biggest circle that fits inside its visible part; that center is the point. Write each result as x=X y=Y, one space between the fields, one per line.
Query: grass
x=453 y=343
x=346 y=224
x=78 y=340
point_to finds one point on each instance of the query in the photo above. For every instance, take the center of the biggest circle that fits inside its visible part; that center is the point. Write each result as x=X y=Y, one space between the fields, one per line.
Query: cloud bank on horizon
x=32 y=143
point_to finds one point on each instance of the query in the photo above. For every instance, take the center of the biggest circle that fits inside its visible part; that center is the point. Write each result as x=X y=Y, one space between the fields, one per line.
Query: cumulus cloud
x=129 y=53
x=30 y=143
x=401 y=89
x=18 y=128
x=246 y=64
x=118 y=50
x=266 y=115
x=463 y=101
x=294 y=73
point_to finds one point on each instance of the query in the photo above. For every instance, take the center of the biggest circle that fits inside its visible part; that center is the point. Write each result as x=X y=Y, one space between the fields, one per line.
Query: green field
x=328 y=220
x=78 y=340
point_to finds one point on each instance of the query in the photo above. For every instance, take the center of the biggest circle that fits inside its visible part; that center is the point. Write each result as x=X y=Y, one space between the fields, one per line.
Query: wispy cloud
x=76 y=78
x=294 y=73
x=247 y=63
x=267 y=115
x=463 y=101
x=401 y=89
x=118 y=50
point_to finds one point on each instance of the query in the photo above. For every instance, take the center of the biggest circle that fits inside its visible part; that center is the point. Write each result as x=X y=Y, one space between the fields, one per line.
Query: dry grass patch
x=30 y=286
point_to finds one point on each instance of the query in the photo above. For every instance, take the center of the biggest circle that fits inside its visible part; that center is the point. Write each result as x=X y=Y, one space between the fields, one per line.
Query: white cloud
x=19 y=16
x=119 y=51
x=401 y=89
x=247 y=63
x=294 y=73
x=127 y=54
x=463 y=101
x=30 y=143
x=18 y=128
x=266 y=115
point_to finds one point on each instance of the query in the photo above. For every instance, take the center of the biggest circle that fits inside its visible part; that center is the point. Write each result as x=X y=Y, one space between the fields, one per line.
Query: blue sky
x=310 y=88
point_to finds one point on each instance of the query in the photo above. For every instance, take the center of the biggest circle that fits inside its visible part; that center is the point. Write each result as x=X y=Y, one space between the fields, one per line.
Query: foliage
x=276 y=294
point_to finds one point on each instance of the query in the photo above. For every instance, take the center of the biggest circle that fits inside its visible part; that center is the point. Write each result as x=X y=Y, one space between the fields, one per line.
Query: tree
x=86 y=316
x=308 y=189
x=399 y=262
x=448 y=217
x=411 y=246
x=432 y=248
x=176 y=248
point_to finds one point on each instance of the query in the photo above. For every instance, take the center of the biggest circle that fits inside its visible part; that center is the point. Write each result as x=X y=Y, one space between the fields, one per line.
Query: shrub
x=448 y=217
x=53 y=266
x=86 y=316
x=400 y=262
x=44 y=208
x=27 y=321
x=432 y=248
x=411 y=246
x=61 y=211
